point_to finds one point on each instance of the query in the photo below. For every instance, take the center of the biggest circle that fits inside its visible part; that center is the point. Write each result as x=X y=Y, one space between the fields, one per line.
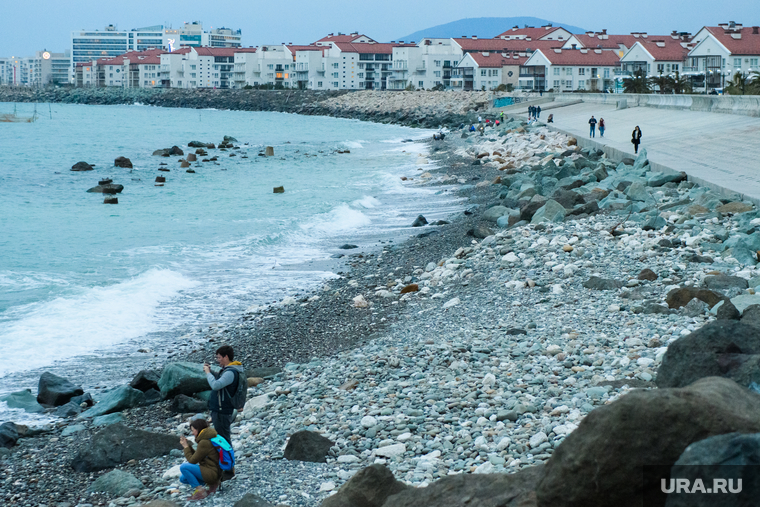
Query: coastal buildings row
x=42 y=69
x=528 y=58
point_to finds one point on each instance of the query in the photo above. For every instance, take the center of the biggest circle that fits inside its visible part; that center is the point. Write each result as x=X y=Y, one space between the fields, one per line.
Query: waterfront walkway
x=719 y=150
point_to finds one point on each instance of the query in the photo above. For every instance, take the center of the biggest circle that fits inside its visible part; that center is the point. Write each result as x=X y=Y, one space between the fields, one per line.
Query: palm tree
x=739 y=85
x=637 y=84
x=754 y=82
x=663 y=83
x=680 y=84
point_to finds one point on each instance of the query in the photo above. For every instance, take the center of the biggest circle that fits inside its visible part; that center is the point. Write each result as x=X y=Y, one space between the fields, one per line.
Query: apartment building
x=721 y=51
x=656 y=55
x=488 y=70
x=568 y=70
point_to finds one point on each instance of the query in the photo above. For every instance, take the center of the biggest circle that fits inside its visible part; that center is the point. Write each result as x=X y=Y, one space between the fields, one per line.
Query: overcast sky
x=33 y=25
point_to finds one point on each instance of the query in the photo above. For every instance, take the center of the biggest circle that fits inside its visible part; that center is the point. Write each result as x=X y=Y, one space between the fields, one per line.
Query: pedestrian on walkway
x=550 y=119
x=636 y=139
x=538 y=112
x=601 y=127
x=592 y=126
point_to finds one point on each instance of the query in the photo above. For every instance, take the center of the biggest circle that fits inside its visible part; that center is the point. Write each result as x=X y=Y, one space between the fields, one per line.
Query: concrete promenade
x=721 y=151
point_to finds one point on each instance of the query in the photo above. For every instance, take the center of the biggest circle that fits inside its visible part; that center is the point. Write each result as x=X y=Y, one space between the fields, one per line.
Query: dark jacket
x=636 y=136
x=221 y=400
x=592 y=122
x=206 y=456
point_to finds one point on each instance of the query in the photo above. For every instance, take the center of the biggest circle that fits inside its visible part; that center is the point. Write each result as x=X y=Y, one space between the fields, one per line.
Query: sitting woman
x=202 y=465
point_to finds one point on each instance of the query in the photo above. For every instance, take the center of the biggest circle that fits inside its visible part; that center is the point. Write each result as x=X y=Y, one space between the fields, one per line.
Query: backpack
x=240 y=394
x=226 y=454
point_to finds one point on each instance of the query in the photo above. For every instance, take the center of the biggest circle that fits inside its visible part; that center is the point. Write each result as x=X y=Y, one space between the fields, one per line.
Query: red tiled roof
x=370 y=48
x=666 y=49
x=498 y=60
x=207 y=51
x=608 y=41
x=532 y=32
x=310 y=47
x=748 y=42
x=342 y=38
x=581 y=57
x=501 y=45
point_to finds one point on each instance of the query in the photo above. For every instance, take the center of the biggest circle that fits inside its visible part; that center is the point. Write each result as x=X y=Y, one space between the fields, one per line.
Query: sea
x=90 y=290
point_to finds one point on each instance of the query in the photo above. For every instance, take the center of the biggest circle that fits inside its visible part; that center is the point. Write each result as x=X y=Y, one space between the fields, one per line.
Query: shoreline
x=490 y=369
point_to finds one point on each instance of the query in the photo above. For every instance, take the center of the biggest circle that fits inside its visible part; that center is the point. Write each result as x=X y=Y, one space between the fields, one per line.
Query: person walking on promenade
x=225 y=386
x=592 y=126
x=550 y=119
x=501 y=117
x=601 y=127
x=538 y=112
x=636 y=139
x=202 y=466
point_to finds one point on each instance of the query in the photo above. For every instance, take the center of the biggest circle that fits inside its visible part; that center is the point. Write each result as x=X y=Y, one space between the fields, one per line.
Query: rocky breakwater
x=522 y=357
x=419 y=108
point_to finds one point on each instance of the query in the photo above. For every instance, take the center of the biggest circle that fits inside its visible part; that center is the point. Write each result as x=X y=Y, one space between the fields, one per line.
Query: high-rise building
x=90 y=45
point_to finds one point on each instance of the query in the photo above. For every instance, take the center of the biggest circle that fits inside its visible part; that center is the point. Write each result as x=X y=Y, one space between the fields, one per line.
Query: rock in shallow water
x=55 y=391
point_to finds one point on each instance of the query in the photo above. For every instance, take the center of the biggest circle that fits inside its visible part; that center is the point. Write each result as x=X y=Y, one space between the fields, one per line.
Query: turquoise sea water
x=78 y=276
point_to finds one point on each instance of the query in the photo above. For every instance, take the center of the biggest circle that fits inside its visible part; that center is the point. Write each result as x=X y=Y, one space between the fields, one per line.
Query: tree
x=754 y=82
x=439 y=87
x=680 y=84
x=664 y=84
x=739 y=85
x=410 y=87
x=638 y=83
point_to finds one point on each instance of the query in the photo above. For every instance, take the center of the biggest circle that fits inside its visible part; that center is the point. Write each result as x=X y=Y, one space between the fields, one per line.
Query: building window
x=192 y=67
x=556 y=71
x=437 y=63
x=606 y=73
x=335 y=74
x=270 y=66
x=335 y=84
x=556 y=83
x=437 y=73
x=319 y=84
x=752 y=62
x=335 y=65
x=360 y=75
x=482 y=72
x=581 y=71
x=660 y=67
x=420 y=84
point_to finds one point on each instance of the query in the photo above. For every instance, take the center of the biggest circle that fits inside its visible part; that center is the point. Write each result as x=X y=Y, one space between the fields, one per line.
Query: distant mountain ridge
x=482 y=27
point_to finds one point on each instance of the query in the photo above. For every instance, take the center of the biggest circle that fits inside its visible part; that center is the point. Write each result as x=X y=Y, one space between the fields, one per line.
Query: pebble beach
x=475 y=346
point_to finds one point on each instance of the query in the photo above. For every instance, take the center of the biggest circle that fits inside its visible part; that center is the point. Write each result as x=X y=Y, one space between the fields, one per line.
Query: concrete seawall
x=746 y=105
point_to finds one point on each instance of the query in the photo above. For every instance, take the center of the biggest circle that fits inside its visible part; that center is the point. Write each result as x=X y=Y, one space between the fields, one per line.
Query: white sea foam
x=367 y=202
x=339 y=220
x=98 y=317
x=355 y=145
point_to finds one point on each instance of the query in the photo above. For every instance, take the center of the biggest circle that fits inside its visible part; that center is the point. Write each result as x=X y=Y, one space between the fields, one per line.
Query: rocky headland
x=580 y=319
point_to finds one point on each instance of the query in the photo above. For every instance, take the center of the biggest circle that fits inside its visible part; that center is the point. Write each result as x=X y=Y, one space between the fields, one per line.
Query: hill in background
x=482 y=27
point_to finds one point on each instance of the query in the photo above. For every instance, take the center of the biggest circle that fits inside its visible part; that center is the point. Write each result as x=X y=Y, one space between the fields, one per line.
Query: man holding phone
x=224 y=387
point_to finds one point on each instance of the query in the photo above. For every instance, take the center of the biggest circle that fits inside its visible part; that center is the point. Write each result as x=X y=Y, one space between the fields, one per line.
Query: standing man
x=501 y=117
x=538 y=112
x=592 y=126
x=224 y=386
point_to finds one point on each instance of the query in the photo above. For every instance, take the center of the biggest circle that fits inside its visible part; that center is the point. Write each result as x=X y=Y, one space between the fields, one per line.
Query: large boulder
x=474 y=490
x=722 y=348
x=680 y=297
x=115 y=400
x=56 y=391
x=122 y=162
x=308 y=446
x=145 y=380
x=551 y=211
x=118 y=444
x=23 y=400
x=115 y=483
x=108 y=188
x=186 y=405
x=370 y=487
x=176 y=150
x=730 y=456
x=182 y=378
x=725 y=282
x=252 y=500
x=600 y=463
x=8 y=435
x=494 y=213
x=82 y=166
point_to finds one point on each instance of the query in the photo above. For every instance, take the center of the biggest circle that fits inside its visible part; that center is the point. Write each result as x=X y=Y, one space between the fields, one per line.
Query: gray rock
x=638 y=429
x=145 y=379
x=115 y=483
x=24 y=400
x=471 y=490
x=597 y=283
x=694 y=308
x=8 y=435
x=308 y=446
x=68 y=410
x=370 y=487
x=74 y=428
x=678 y=298
x=647 y=274
x=494 y=213
x=745 y=300
x=82 y=166
x=728 y=311
x=106 y=189
x=723 y=282
x=118 y=444
x=638 y=191
x=419 y=221
x=182 y=378
x=659 y=179
x=186 y=405
x=152 y=396
x=552 y=212
x=480 y=231
x=654 y=223
x=751 y=315
x=722 y=348
x=105 y=420
x=56 y=391
x=252 y=500
x=116 y=400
